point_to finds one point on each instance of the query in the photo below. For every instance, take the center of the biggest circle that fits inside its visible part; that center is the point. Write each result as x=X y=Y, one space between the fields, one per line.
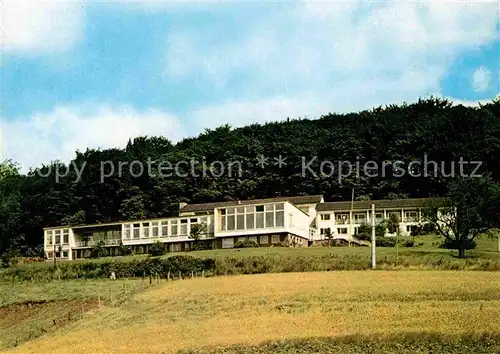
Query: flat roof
x=379 y=204
x=297 y=200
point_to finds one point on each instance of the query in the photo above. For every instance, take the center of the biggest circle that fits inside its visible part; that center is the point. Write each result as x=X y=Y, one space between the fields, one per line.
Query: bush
x=125 y=250
x=98 y=250
x=428 y=228
x=246 y=244
x=364 y=232
x=157 y=249
x=385 y=242
x=408 y=243
x=453 y=244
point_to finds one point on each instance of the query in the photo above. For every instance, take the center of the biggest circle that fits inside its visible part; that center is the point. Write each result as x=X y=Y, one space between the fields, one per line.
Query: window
x=193 y=220
x=250 y=209
x=184 y=227
x=325 y=216
x=164 y=228
x=154 y=228
x=65 y=236
x=57 y=234
x=223 y=211
x=240 y=221
x=259 y=220
x=146 y=229
x=137 y=230
x=264 y=240
x=342 y=230
x=174 y=228
x=324 y=231
x=65 y=254
x=397 y=213
x=227 y=242
x=342 y=219
x=250 y=221
x=275 y=238
x=259 y=208
x=280 y=218
x=360 y=218
x=411 y=216
x=126 y=231
x=50 y=255
x=269 y=219
x=49 y=237
x=281 y=206
x=231 y=224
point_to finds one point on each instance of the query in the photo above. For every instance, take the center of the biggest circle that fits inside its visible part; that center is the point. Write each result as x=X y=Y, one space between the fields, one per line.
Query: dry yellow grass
x=250 y=309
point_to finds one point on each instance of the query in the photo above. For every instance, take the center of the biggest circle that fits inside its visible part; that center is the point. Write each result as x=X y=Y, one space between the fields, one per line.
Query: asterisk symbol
x=262 y=161
x=280 y=161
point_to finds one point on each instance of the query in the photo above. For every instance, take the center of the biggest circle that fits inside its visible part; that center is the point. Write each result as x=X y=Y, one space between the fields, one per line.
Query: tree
x=393 y=227
x=98 y=250
x=196 y=233
x=471 y=208
x=393 y=224
x=364 y=232
x=329 y=236
x=77 y=218
x=10 y=207
x=157 y=249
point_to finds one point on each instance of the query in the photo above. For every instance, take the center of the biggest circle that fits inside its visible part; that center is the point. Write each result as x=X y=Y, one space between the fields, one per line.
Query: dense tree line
x=77 y=193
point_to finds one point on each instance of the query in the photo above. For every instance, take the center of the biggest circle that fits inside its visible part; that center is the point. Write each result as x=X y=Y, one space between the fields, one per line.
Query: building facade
x=296 y=221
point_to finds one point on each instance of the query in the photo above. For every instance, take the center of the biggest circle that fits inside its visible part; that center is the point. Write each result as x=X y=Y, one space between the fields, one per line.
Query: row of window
x=57 y=237
x=343 y=230
x=161 y=228
x=63 y=254
x=343 y=218
x=252 y=217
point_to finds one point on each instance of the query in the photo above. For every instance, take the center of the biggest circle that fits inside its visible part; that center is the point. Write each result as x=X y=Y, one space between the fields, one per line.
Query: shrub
x=125 y=250
x=364 y=232
x=454 y=244
x=246 y=244
x=157 y=249
x=385 y=242
x=380 y=229
x=98 y=250
x=408 y=243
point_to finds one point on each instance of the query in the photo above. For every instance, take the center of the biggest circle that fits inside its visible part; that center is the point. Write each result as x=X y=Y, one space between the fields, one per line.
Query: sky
x=93 y=74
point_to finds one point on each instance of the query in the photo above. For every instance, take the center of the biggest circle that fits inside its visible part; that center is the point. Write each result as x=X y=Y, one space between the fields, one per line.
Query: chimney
x=239 y=201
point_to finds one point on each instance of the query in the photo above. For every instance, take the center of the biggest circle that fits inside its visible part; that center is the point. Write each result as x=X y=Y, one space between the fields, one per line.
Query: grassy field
x=487 y=248
x=293 y=312
x=28 y=310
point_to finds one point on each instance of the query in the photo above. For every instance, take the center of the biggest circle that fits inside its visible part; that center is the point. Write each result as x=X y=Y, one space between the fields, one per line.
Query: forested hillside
x=432 y=128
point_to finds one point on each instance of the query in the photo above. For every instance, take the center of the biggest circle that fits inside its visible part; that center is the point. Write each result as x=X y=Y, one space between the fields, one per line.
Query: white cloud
x=481 y=79
x=257 y=111
x=351 y=55
x=56 y=135
x=32 y=27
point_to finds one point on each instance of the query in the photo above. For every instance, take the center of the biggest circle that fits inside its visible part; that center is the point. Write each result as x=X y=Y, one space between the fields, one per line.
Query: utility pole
x=350 y=218
x=374 y=262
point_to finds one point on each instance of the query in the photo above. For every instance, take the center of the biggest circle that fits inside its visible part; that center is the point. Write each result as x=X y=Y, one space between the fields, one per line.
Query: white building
x=297 y=221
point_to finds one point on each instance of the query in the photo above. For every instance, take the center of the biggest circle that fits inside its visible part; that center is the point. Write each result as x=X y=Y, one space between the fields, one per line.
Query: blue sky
x=94 y=74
